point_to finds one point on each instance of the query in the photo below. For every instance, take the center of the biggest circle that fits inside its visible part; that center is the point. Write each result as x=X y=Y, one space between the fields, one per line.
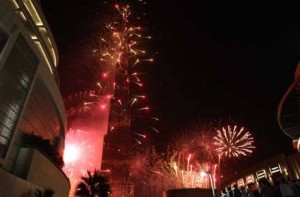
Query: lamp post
x=203 y=173
x=220 y=175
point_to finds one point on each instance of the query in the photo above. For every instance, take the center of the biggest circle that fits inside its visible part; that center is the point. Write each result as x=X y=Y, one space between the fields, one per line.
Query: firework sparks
x=122 y=54
x=188 y=172
x=161 y=172
x=193 y=154
x=233 y=142
x=141 y=135
x=117 y=86
x=79 y=154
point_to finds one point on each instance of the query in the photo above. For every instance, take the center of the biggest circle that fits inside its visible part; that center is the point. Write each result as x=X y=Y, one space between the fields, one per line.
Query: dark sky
x=225 y=63
x=213 y=62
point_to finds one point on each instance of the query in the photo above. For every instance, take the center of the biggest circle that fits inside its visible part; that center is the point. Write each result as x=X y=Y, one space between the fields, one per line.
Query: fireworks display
x=188 y=163
x=81 y=153
x=119 y=73
x=192 y=140
x=194 y=154
x=122 y=48
x=234 y=141
x=116 y=99
x=116 y=96
x=191 y=172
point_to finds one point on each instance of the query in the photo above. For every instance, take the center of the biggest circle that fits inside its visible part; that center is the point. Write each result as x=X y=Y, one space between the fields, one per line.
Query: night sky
x=211 y=63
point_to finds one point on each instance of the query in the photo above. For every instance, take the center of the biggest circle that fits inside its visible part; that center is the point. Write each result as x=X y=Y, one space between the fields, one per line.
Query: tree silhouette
x=91 y=185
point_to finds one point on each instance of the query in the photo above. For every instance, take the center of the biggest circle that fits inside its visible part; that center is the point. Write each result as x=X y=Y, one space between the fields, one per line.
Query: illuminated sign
x=249 y=179
x=261 y=174
x=240 y=182
x=275 y=168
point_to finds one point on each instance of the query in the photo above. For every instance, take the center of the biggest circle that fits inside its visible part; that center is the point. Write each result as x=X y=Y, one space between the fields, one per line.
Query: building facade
x=271 y=169
x=32 y=114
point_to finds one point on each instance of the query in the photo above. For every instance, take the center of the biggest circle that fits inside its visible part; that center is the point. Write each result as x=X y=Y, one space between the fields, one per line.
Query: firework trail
x=154 y=172
x=193 y=154
x=123 y=45
x=119 y=78
x=182 y=166
x=115 y=95
x=234 y=141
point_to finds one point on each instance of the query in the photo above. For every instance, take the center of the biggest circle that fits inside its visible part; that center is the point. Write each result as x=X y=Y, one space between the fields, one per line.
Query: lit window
x=15 y=79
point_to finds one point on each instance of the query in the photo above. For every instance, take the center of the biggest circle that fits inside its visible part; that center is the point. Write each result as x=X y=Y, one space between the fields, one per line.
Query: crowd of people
x=282 y=188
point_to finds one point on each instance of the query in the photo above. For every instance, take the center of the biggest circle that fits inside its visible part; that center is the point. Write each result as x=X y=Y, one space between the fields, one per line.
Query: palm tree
x=96 y=184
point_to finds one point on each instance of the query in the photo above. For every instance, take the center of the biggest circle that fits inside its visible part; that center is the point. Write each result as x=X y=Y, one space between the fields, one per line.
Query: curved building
x=288 y=114
x=32 y=114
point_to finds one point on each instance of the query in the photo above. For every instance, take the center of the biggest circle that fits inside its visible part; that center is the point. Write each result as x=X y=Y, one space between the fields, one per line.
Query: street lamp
x=203 y=173
x=220 y=175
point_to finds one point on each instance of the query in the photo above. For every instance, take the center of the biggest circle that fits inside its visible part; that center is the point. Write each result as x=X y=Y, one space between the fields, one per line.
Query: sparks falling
x=79 y=155
x=194 y=154
x=157 y=172
x=234 y=141
x=116 y=96
x=119 y=84
x=121 y=49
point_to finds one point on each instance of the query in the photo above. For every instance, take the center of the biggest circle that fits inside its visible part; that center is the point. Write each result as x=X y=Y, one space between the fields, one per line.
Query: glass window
x=40 y=116
x=15 y=79
x=3 y=39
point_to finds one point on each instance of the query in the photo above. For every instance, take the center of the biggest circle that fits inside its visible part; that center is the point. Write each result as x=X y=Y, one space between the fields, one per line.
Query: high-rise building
x=118 y=140
x=32 y=114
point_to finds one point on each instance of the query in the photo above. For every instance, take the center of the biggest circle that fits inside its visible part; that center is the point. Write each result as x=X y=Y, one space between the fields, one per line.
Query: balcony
x=15 y=186
x=36 y=168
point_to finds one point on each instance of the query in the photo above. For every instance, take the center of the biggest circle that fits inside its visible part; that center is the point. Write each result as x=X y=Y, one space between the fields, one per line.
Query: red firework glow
x=117 y=88
x=82 y=153
x=155 y=172
x=122 y=55
x=71 y=153
x=191 y=176
x=194 y=155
